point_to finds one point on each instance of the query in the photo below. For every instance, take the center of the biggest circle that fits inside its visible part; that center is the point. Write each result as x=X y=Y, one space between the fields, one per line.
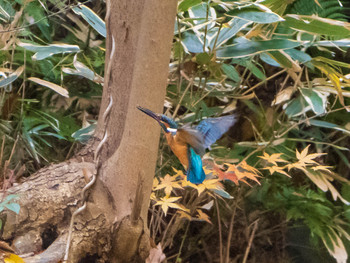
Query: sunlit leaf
x=168 y=183
x=167 y=202
x=51 y=85
x=273 y=158
x=277 y=169
x=333 y=76
x=304 y=158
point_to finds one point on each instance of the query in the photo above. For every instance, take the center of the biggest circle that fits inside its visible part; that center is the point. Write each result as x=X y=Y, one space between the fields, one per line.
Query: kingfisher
x=189 y=143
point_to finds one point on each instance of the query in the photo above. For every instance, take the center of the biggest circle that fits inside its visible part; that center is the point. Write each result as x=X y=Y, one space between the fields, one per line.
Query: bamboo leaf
x=92 y=18
x=51 y=85
x=256 y=16
x=186 y=4
x=325 y=124
x=43 y=52
x=12 y=77
x=318 y=25
x=250 y=48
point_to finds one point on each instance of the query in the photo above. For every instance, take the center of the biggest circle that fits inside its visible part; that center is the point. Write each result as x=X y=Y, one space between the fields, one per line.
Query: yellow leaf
x=273 y=158
x=203 y=216
x=168 y=183
x=153 y=196
x=12 y=258
x=322 y=168
x=305 y=158
x=167 y=202
x=155 y=183
x=185 y=183
x=179 y=173
x=247 y=167
x=277 y=169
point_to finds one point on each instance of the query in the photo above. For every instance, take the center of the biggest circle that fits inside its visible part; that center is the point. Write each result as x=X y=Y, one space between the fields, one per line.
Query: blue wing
x=195 y=173
x=213 y=128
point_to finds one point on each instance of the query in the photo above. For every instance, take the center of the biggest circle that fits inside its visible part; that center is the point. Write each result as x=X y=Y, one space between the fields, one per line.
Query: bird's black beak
x=150 y=113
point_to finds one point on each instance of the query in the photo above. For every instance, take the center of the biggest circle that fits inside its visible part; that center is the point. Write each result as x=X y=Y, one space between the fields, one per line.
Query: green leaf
x=231 y=72
x=253 y=15
x=12 y=77
x=317 y=25
x=281 y=58
x=315 y=100
x=230 y=29
x=36 y=11
x=332 y=62
x=297 y=107
x=84 y=134
x=325 y=124
x=203 y=58
x=191 y=43
x=82 y=70
x=298 y=55
x=92 y=18
x=49 y=50
x=250 y=48
x=254 y=69
x=186 y=4
x=199 y=14
x=269 y=60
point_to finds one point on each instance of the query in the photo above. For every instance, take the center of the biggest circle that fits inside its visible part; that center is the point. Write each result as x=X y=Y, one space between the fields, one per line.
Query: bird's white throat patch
x=172 y=130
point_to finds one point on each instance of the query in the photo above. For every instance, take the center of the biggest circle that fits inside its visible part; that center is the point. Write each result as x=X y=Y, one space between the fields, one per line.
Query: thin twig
x=231 y=230
x=264 y=81
x=182 y=242
x=220 y=233
x=250 y=241
x=182 y=97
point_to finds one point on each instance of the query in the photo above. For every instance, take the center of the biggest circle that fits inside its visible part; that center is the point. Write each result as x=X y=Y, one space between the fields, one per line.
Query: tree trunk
x=136 y=74
x=113 y=227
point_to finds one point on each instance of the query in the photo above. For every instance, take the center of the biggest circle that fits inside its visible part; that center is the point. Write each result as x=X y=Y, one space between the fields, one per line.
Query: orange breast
x=179 y=148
